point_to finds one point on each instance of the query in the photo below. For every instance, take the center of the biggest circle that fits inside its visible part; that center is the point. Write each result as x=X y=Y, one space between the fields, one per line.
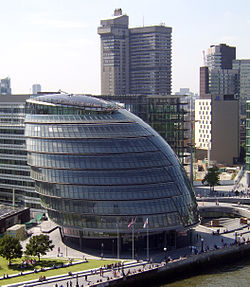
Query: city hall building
x=101 y=172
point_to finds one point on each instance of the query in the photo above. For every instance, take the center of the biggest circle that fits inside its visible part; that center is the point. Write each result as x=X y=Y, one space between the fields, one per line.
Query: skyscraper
x=5 y=88
x=114 y=55
x=135 y=60
x=217 y=77
x=36 y=88
x=242 y=67
x=220 y=56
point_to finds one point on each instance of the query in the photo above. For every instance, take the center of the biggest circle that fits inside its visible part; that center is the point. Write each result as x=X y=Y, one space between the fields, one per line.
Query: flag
x=145 y=223
x=131 y=223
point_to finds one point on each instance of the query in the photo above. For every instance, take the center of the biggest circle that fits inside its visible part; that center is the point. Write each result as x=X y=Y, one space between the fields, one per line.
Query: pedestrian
x=86 y=277
x=70 y=283
x=67 y=284
x=58 y=250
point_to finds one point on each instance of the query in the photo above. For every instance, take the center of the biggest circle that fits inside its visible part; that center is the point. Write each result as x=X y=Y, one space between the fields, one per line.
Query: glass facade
x=248 y=139
x=14 y=171
x=164 y=114
x=98 y=166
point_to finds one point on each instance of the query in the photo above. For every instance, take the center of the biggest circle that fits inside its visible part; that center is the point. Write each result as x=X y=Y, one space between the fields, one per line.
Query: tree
x=212 y=177
x=38 y=245
x=10 y=248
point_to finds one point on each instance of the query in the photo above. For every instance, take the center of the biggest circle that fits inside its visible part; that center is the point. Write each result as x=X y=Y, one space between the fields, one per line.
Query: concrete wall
x=183 y=268
x=225 y=131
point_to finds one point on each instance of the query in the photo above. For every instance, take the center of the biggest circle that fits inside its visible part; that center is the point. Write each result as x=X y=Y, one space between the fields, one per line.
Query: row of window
x=112 y=177
x=12 y=141
x=162 y=205
x=12 y=131
x=15 y=172
x=16 y=182
x=134 y=192
x=113 y=223
x=89 y=146
x=113 y=161
x=13 y=162
x=13 y=151
x=85 y=131
x=87 y=117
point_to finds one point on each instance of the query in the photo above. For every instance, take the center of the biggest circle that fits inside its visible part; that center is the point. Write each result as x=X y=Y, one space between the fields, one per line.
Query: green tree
x=212 y=177
x=38 y=245
x=10 y=248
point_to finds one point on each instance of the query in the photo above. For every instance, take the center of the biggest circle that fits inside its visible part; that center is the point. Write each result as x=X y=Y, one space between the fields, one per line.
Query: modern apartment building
x=135 y=60
x=212 y=137
x=15 y=181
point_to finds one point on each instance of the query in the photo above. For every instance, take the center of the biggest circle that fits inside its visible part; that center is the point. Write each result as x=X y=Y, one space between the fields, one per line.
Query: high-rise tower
x=114 y=54
x=135 y=60
x=220 y=56
x=217 y=76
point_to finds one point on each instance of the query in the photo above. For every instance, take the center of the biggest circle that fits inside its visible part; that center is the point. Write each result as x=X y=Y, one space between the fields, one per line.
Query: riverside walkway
x=209 y=240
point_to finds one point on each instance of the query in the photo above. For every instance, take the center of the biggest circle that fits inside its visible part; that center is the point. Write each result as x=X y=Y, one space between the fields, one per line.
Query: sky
x=55 y=42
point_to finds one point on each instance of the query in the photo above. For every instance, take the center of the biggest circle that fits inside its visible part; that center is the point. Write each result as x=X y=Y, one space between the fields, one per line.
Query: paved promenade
x=207 y=239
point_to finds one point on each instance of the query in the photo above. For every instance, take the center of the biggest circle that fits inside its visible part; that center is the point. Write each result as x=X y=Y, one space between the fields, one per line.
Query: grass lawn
x=5 y=269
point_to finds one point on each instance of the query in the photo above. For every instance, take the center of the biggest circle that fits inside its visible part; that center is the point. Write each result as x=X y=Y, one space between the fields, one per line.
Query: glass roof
x=81 y=101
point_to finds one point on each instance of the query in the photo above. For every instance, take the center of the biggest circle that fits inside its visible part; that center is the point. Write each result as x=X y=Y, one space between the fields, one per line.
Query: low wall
x=182 y=268
x=220 y=210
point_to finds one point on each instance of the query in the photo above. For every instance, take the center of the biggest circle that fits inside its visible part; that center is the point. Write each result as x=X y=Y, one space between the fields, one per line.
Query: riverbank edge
x=183 y=268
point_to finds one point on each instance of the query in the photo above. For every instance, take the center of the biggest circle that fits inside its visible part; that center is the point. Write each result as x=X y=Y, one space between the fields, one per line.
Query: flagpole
x=147 y=244
x=133 y=242
x=118 y=242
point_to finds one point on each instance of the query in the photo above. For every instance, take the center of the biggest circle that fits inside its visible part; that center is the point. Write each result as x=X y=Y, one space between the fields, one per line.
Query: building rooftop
x=80 y=101
x=6 y=211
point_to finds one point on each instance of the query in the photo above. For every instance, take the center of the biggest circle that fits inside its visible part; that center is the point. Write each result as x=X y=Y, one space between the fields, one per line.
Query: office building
x=204 y=82
x=100 y=170
x=167 y=115
x=36 y=88
x=248 y=141
x=217 y=77
x=242 y=67
x=135 y=60
x=15 y=182
x=220 y=56
x=212 y=117
x=5 y=88
x=223 y=82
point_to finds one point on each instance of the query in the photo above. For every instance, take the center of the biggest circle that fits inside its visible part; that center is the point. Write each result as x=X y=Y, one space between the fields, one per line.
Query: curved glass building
x=98 y=169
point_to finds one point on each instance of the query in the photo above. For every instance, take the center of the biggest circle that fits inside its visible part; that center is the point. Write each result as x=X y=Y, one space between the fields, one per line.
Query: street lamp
x=102 y=245
x=235 y=237
x=165 y=253
x=202 y=245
